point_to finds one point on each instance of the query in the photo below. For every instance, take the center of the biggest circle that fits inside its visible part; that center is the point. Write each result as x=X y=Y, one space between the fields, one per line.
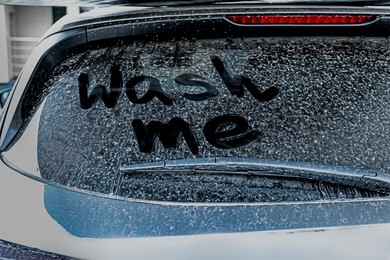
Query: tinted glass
x=310 y=100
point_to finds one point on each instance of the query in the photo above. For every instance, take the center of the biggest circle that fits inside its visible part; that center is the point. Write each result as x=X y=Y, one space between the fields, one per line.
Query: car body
x=236 y=130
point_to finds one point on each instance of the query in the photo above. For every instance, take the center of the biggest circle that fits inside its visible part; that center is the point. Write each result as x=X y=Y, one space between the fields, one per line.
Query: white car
x=224 y=130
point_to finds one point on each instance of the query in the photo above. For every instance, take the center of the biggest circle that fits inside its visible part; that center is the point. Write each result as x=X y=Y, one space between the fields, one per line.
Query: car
x=216 y=130
x=4 y=92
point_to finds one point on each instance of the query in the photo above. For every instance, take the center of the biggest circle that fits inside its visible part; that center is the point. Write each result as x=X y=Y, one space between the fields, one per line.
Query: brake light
x=300 y=19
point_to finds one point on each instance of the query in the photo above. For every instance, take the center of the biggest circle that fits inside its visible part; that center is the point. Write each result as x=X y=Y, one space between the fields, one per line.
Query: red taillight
x=300 y=19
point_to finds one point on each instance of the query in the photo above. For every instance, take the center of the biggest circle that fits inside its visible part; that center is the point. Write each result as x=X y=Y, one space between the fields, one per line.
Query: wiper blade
x=367 y=179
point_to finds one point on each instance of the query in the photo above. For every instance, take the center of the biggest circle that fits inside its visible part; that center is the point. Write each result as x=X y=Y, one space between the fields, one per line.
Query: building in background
x=21 y=27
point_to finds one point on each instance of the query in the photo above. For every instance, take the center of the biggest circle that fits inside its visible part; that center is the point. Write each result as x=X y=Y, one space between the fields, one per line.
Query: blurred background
x=21 y=27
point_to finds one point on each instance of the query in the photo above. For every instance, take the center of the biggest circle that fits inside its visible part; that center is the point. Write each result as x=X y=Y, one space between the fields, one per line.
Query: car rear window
x=321 y=100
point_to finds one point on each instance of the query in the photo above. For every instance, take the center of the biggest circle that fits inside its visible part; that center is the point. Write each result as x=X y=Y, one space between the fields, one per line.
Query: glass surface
x=316 y=100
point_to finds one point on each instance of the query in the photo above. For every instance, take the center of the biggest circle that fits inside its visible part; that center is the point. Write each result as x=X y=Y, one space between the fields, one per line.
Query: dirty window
x=318 y=100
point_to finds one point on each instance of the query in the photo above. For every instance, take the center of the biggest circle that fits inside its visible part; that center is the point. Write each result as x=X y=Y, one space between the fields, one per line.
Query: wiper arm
x=361 y=178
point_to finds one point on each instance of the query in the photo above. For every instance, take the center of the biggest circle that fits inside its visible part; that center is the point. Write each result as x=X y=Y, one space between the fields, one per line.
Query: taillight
x=300 y=19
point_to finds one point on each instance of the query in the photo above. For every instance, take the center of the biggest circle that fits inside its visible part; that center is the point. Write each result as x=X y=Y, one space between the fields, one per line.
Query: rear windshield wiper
x=366 y=179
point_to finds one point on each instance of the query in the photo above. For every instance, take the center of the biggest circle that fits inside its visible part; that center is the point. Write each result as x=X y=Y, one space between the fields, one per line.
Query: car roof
x=96 y=15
